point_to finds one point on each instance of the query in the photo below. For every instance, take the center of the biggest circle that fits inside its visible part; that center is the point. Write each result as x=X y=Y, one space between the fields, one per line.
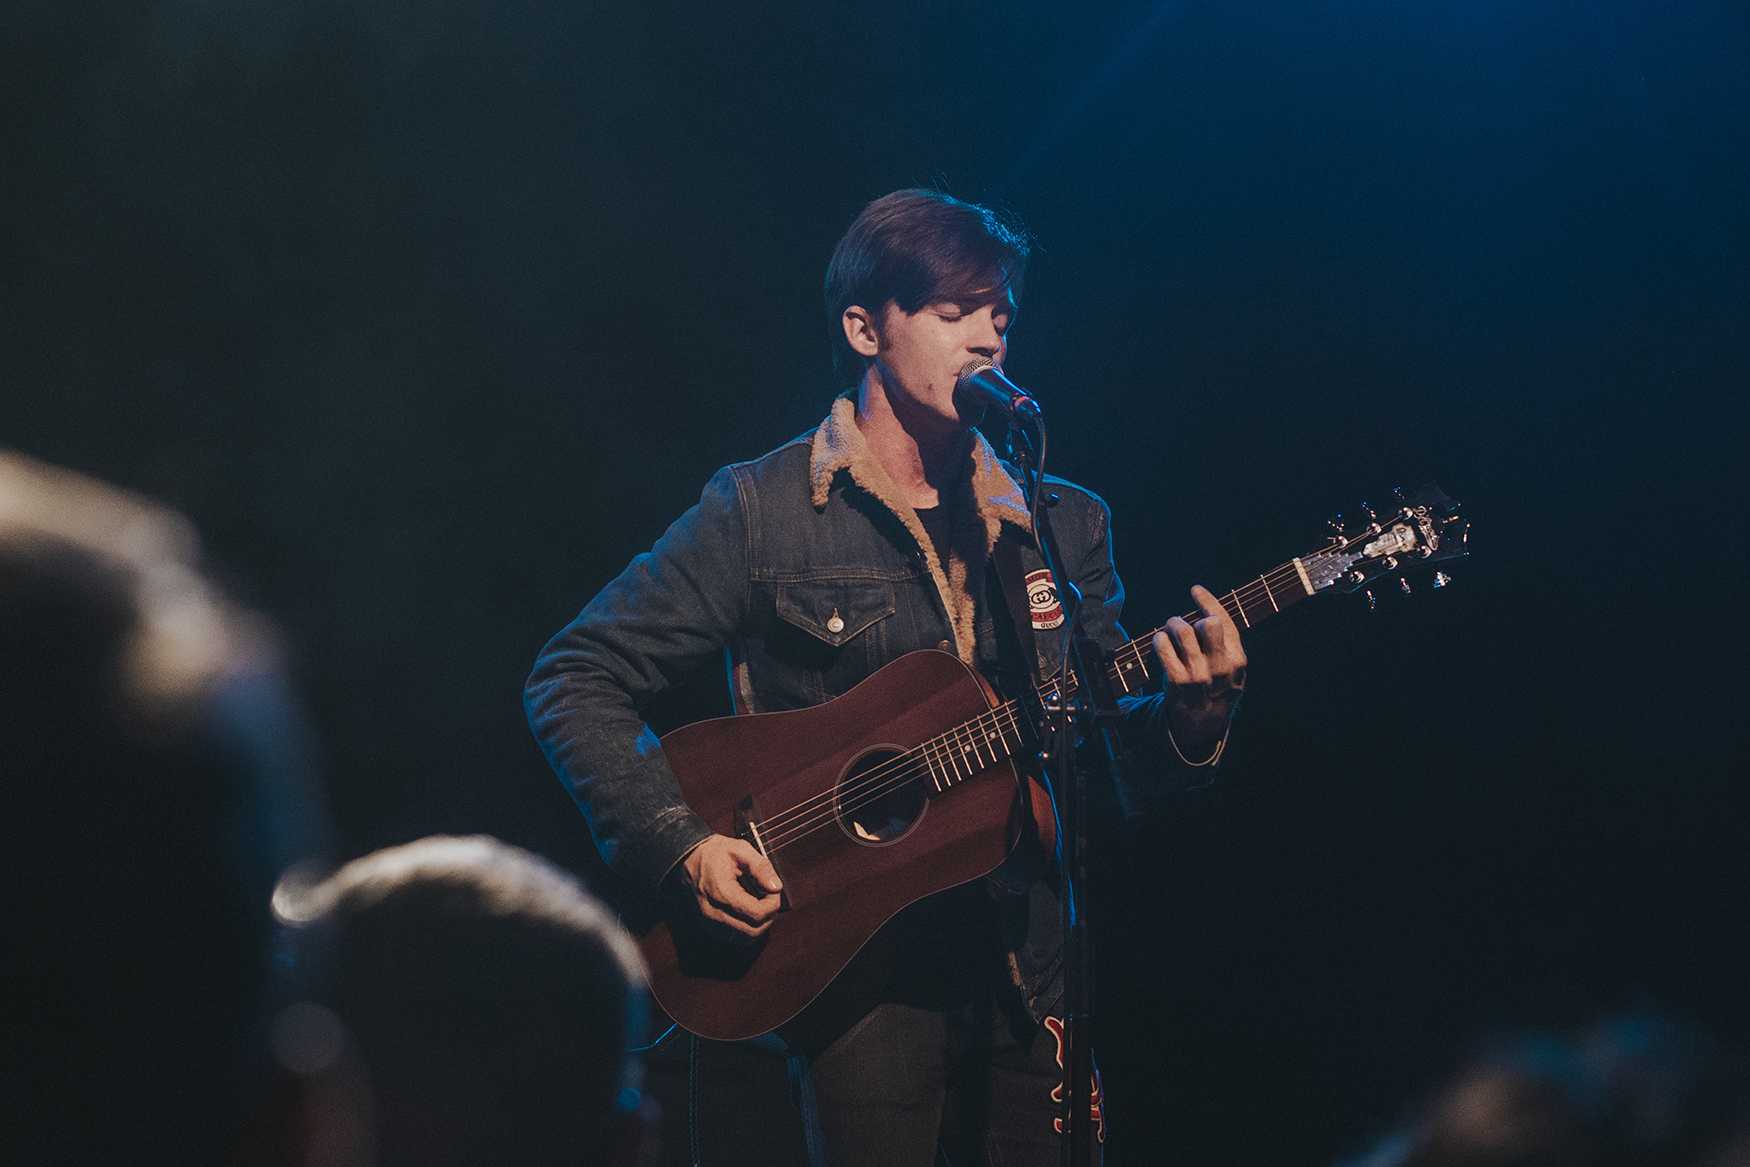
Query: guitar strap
x=1020 y=672
x=1022 y=666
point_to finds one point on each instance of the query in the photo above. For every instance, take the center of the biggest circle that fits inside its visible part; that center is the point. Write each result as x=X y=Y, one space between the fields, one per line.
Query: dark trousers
x=909 y=1086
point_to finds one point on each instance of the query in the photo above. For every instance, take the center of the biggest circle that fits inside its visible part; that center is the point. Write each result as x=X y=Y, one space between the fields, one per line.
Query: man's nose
x=989 y=347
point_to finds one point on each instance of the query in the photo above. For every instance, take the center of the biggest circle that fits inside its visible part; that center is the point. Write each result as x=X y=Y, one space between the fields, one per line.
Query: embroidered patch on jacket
x=1042 y=603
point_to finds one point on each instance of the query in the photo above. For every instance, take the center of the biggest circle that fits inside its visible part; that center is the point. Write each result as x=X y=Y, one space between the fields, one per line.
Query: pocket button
x=835 y=623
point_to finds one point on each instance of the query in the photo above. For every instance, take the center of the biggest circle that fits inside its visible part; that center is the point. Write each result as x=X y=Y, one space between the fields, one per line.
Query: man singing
x=810 y=568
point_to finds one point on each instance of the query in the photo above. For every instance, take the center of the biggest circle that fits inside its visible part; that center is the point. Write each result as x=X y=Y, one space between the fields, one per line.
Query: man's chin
x=967 y=420
x=952 y=414
x=966 y=411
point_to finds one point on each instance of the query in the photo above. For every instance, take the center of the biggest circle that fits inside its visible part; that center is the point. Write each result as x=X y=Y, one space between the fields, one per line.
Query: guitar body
x=849 y=862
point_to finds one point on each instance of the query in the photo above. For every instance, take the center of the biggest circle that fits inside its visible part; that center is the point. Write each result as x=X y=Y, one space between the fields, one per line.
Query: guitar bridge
x=748 y=830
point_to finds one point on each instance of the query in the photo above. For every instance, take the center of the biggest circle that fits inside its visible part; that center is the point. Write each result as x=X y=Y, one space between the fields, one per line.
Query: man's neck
x=923 y=457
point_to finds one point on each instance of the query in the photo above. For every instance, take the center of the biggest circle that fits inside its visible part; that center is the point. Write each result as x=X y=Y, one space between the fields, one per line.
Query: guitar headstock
x=1423 y=529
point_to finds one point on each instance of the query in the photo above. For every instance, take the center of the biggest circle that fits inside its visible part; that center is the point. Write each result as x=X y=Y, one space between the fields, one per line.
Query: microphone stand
x=1064 y=714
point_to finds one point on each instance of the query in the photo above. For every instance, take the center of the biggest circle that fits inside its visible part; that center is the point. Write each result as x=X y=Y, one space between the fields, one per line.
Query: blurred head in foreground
x=1637 y=1091
x=491 y=1000
x=156 y=781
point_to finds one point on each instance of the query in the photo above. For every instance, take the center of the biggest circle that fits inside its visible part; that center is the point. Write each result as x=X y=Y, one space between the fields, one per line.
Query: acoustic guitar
x=913 y=782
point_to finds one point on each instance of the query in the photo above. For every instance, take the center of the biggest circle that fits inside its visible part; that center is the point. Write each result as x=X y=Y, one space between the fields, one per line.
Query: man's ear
x=860 y=331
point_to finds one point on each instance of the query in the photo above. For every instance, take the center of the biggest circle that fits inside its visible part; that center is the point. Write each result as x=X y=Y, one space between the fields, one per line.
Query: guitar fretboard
x=1248 y=605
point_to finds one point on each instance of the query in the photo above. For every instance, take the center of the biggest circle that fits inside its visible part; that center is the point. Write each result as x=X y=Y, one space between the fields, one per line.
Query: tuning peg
x=1372 y=516
x=1441 y=579
x=1372 y=600
x=1404 y=585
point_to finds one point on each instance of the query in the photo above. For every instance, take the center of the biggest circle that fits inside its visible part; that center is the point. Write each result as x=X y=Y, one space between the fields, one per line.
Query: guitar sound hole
x=877 y=800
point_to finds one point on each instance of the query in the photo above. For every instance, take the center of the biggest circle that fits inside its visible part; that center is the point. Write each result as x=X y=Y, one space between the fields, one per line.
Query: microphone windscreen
x=973 y=368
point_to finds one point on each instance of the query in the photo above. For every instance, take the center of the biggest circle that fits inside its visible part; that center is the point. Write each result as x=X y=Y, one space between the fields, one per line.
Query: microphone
x=984 y=383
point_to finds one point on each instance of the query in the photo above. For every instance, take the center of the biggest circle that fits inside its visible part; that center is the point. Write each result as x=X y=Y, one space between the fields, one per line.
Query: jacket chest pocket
x=833 y=629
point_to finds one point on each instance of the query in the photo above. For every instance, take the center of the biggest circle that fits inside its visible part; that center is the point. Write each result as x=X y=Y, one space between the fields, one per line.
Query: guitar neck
x=1130 y=666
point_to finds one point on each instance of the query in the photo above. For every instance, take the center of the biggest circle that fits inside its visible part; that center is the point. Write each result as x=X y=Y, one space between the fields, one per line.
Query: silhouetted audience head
x=1637 y=1091
x=154 y=770
x=491 y=999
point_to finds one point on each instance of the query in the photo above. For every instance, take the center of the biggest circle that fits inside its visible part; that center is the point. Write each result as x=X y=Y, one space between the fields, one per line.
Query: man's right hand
x=718 y=873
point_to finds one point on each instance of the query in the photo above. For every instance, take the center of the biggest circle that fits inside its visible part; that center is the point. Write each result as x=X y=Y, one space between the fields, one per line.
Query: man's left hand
x=1205 y=670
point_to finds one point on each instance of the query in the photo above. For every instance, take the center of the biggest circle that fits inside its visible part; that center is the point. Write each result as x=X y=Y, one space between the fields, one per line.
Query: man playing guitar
x=810 y=568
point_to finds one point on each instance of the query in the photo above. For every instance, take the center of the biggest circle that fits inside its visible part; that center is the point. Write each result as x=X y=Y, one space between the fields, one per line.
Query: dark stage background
x=432 y=315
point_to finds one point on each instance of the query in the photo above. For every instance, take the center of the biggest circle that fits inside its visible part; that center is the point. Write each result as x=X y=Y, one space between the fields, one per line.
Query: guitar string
x=897 y=771
x=784 y=821
x=1249 y=591
x=787 y=828
x=916 y=773
x=947 y=758
x=903 y=768
x=1244 y=594
x=849 y=809
x=925 y=753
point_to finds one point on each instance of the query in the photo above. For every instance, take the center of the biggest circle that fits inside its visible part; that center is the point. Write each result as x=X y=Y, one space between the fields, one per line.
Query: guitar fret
x=1239 y=608
x=934 y=745
x=1122 y=668
x=1267 y=594
x=977 y=762
x=930 y=765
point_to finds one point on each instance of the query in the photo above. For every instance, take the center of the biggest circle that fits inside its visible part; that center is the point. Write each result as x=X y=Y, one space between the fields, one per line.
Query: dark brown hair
x=918 y=247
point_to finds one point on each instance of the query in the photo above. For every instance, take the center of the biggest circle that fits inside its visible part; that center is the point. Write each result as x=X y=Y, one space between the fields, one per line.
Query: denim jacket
x=807 y=571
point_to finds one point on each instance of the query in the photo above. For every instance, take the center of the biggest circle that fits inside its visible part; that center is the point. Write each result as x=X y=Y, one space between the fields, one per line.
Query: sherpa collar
x=987 y=498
